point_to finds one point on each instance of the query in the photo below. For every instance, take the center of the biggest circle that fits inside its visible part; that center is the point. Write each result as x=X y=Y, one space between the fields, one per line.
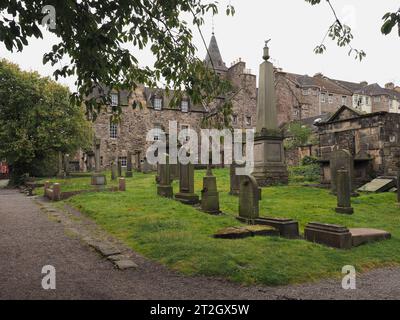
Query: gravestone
x=209 y=194
x=362 y=236
x=119 y=167
x=328 y=234
x=234 y=179
x=128 y=173
x=378 y=185
x=114 y=170
x=164 y=187
x=66 y=164
x=98 y=179
x=343 y=192
x=249 y=197
x=341 y=159
x=145 y=166
x=186 y=193
x=121 y=184
x=61 y=172
x=269 y=155
x=398 y=187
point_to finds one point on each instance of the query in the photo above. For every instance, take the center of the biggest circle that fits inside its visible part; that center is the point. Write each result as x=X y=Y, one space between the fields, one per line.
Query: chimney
x=397 y=89
x=364 y=83
x=389 y=86
x=318 y=75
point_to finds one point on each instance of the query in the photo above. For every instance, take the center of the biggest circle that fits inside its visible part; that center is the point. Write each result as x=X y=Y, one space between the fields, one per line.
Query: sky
x=295 y=28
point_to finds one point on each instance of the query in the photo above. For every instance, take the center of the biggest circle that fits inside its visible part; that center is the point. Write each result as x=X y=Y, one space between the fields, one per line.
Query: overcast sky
x=295 y=28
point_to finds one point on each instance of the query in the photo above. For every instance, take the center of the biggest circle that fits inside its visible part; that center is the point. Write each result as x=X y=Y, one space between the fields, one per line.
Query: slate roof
x=214 y=56
x=351 y=86
x=325 y=84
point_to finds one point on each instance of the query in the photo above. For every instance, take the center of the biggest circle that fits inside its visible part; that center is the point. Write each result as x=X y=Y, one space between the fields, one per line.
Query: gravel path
x=29 y=240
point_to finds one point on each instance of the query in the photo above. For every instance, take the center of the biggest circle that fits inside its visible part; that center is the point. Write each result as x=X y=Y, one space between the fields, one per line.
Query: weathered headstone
x=341 y=159
x=98 y=179
x=114 y=170
x=66 y=164
x=209 y=194
x=121 y=184
x=269 y=156
x=128 y=173
x=249 y=197
x=343 y=192
x=398 y=186
x=119 y=167
x=145 y=166
x=234 y=179
x=186 y=185
x=328 y=234
x=164 y=187
x=61 y=172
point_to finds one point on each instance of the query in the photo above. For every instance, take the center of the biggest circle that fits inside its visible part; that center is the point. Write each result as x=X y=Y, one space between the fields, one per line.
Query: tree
x=93 y=35
x=341 y=33
x=299 y=135
x=37 y=120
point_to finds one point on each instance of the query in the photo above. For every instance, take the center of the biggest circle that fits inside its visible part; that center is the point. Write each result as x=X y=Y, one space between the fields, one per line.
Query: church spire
x=214 y=55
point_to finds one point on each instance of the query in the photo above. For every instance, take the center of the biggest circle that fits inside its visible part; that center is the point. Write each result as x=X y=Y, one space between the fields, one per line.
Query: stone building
x=129 y=135
x=373 y=140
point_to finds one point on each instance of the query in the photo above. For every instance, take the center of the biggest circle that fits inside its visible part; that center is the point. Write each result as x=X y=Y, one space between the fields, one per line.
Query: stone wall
x=374 y=136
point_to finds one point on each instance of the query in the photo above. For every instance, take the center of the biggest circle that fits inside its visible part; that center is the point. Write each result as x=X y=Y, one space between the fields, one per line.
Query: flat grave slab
x=362 y=236
x=328 y=234
x=244 y=232
x=288 y=228
x=378 y=185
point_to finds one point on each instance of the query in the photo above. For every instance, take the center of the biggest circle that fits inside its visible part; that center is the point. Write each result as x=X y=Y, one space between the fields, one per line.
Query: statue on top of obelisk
x=269 y=156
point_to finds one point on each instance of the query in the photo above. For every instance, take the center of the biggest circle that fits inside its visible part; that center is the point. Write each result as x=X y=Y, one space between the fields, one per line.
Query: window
x=114 y=99
x=101 y=161
x=185 y=127
x=157 y=104
x=157 y=132
x=306 y=92
x=344 y=100
x=323 y=97
x=234 y=119
x=377 y=99
x=124 y=161
x=113 y=130
x=330 y=98
x=185 y=106
x=248 y=121
x=367 y=100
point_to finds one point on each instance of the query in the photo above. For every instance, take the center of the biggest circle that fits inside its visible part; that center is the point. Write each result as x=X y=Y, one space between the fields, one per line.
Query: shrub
x=308 y=160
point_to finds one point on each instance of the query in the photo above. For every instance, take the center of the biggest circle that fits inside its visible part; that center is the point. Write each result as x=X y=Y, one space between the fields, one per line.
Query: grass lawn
x=180 y=236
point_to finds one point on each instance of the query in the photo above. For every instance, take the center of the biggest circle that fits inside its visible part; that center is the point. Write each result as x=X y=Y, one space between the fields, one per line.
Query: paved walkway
x=29 y=239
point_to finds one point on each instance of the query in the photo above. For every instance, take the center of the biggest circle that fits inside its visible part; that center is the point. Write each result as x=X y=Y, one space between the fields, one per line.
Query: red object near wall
x=4 y=169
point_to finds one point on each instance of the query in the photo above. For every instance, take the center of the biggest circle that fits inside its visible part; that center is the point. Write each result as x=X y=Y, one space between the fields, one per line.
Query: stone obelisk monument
x=269 y=156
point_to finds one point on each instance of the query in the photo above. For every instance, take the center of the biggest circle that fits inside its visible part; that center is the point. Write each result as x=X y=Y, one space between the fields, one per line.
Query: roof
x=352 y=113
x=351 y=86
x=213 y=57
x=318 y=81
x=373 y=90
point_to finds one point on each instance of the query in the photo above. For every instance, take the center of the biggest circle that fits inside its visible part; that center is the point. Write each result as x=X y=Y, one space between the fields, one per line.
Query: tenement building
x=303 y=98
x=129 y=135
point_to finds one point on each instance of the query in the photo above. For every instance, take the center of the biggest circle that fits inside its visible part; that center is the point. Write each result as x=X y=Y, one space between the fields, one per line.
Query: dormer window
x=114 y=100
x=185 y=106
x=157 y=103
x=234 y=119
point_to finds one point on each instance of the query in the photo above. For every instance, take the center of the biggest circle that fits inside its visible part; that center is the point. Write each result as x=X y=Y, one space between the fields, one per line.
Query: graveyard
x=180 y=236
